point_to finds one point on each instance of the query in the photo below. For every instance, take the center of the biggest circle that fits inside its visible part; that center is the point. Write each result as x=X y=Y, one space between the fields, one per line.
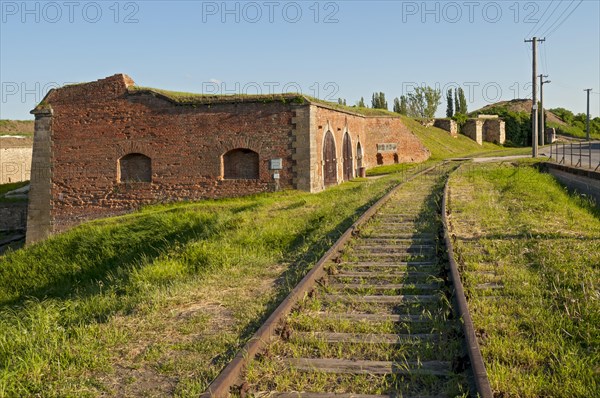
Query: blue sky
x=328 y=49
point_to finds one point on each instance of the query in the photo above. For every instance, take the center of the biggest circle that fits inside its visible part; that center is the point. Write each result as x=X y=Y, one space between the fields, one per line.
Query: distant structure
x=104 y=148
x=15 y=159
x=551 y=135
x=447 y=124
x=487 y=128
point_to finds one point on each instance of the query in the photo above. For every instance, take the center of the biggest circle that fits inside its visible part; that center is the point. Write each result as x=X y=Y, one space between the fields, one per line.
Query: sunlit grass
x=539 y=334
x=157 y=302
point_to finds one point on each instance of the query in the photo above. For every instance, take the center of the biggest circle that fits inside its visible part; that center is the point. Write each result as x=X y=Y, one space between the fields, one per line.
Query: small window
x=135 y=167
x=240 y=164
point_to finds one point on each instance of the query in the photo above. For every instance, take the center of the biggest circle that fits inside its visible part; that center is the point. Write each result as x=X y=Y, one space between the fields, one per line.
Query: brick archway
x=241 y=164
x=134 y=167
x=329 y=160
x=347 y=157
x=359 y=156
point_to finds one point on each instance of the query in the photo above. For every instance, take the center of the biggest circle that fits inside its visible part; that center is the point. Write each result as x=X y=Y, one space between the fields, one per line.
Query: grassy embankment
x=156 y=302
x=16 y=127
x=5 y=188
x=538 y=248
x=572 y=131
x=443 y=146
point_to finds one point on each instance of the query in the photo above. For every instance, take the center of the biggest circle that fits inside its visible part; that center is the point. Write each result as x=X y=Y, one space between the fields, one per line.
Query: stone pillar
x=39 y=224
x=550 y=135
x=303 y=148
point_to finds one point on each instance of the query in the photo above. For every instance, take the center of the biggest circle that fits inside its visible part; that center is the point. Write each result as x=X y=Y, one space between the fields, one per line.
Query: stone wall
x=15 y=159
x=447 y=124
x=473 y=128
x=550 y=135
x=494 y=130
x=583 y=181
x=13 y=216
x=489 y=129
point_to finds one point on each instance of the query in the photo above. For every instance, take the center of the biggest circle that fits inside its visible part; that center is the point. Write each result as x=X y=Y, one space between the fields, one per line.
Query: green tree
x=378 y=101
x=423 y=102
x=403 y=105
x=462 y=102
x=450 y=104
x=456 y=103
x=361 y=103
x=396 y=105
x=382 y=101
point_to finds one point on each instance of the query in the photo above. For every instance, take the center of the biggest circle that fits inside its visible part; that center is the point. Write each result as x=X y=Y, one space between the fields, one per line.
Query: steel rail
x=220 y=387
x=482 y=383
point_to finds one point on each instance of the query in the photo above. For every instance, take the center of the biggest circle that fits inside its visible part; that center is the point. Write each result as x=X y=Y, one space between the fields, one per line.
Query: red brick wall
x=391 y=130
x=369 y=131
x=95 y=124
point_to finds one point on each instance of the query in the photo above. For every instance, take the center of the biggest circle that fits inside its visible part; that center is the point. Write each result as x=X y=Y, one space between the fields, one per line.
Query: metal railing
x=578 y=154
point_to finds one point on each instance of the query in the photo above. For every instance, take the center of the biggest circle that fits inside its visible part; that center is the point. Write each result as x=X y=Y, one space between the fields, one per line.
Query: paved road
x=566 y=153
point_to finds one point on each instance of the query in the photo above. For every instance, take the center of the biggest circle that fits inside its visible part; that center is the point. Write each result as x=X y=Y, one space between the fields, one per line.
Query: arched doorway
x=329 y=159
x=359 y=156
x=347 y=157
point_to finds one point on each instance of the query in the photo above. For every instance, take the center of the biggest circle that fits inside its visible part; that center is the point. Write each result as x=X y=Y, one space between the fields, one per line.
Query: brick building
x=106 y=147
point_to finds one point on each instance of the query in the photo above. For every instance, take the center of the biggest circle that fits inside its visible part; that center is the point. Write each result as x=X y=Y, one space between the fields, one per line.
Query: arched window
x=135 y=167
x=240 y=164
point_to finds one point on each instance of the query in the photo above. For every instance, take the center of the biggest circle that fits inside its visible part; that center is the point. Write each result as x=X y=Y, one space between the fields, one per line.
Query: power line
x=549 y=17
x=559 y=17
x=567 y=17
x=539 y=20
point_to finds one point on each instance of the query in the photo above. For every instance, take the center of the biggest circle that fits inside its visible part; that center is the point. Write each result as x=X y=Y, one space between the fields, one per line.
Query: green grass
x=303 y=325
x=442 y=145
x=198 y=99
x=156 y=302
x=16 y=127
x=572 y=131
x=4 y=188
x=519 y=228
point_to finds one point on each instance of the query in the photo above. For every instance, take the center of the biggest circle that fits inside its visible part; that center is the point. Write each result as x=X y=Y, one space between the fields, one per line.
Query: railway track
x=377 y=316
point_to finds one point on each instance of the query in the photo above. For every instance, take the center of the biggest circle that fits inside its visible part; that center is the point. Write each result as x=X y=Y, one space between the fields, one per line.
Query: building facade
x=107 y=147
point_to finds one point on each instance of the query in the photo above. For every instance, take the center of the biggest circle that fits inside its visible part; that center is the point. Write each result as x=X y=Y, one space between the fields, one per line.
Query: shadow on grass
x=79 y=264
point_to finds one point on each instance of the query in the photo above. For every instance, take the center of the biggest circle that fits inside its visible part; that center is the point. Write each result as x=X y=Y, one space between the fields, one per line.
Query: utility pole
x=534 y=107
x=542 y=124
x=587 y=123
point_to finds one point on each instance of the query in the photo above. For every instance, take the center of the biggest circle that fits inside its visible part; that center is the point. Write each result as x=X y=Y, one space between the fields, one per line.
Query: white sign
x=388 y=147
x=276 y=164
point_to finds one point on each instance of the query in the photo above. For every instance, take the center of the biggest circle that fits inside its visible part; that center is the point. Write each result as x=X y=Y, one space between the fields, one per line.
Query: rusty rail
x=221 y=385
x=482 y=383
